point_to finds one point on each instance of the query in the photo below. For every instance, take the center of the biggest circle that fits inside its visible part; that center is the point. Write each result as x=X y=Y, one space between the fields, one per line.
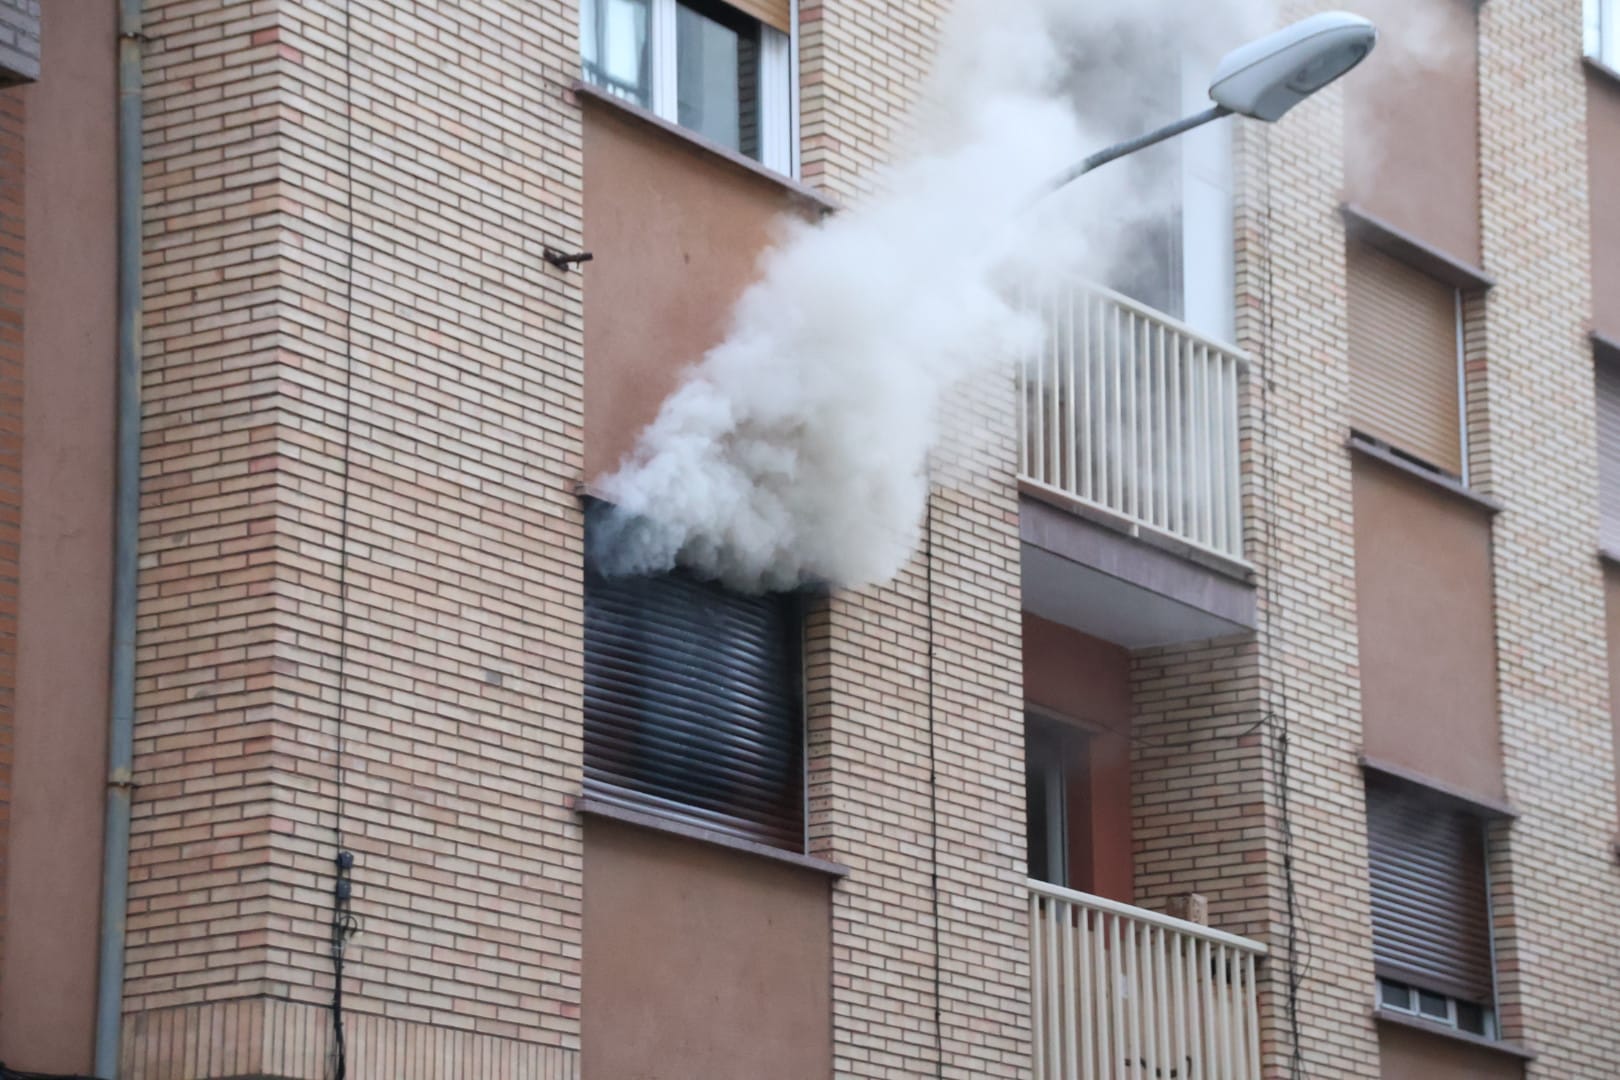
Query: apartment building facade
x=1245 y=711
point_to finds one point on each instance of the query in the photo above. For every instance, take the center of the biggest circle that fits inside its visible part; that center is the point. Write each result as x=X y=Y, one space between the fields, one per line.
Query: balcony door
x=1077 y=807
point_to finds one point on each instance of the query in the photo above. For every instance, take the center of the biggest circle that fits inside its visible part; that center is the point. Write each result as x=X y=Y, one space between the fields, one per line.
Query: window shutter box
x=693 y=704
x=775 y=13
x=1403 y=358
x=1608 y=433
x=1431 y=917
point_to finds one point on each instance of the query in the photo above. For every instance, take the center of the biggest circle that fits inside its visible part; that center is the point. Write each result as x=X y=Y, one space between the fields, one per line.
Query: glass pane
x=613 y=44
x=1435 y=1005
x=1471 y=1018
x=717 y=75
x=1395 y=996
x=1035 y=820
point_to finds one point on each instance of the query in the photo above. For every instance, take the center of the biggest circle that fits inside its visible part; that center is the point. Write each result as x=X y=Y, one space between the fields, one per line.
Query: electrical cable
x=1276 y=718
x=933 y=775
x=344 y=925
x=17 y=1074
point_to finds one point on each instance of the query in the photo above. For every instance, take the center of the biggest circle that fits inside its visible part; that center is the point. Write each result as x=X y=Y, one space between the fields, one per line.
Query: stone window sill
x=809 y=196
x=1414 y=1023
x=1359 y=444
x=588 y=807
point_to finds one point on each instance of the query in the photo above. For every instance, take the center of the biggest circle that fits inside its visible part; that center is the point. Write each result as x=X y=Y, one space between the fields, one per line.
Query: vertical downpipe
x=126 y=518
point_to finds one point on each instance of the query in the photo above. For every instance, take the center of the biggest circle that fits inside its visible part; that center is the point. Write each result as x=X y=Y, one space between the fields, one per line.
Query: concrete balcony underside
x=1108 y=578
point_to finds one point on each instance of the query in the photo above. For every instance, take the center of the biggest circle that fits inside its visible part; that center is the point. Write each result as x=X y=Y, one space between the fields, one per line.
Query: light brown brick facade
x=362 y=549
x=1558 y=877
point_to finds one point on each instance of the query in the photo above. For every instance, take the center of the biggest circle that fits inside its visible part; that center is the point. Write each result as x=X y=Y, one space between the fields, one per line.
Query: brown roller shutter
x=1403 y=358
x=1608 y=429
x=777 y=13
x=1431 y=918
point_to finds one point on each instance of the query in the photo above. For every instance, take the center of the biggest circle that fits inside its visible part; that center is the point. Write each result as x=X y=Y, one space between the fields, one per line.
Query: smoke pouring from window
x=796 y=451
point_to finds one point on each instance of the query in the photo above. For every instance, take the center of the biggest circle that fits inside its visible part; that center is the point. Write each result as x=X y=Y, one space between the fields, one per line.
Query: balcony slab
x=1098 y=579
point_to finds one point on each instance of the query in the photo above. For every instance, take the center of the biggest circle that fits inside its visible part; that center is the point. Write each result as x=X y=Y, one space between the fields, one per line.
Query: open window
x=1077 y=807
x=723 y=70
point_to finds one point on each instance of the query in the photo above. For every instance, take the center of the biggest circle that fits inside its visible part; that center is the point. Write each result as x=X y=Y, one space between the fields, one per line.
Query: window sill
x=809 y=196
x=1602 y=70
x=588 y=807
x=1360 y=444
x=1416 y=253
x=1414 y=1023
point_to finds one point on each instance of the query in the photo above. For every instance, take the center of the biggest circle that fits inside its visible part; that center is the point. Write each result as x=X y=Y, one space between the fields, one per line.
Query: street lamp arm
x=1130 y=146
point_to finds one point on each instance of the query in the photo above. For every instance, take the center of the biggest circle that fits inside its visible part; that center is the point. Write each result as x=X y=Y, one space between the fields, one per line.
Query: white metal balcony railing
x=1128 y=410
x=1126 y=994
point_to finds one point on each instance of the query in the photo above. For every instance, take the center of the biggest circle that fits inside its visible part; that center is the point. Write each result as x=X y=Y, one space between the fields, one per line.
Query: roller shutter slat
x=776 y=13
x=1431 y=920
x=1403 y=358
x=1608 y=430
x=692 y=705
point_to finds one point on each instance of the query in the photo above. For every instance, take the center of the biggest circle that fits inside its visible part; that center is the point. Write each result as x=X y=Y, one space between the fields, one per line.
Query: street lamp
x=1262 y=80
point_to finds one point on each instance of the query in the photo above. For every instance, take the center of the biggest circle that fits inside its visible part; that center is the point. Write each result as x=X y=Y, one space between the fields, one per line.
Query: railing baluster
x=1070 y=1027
x=1037 y=1010
x=1251 y=1013
x=1088 y=998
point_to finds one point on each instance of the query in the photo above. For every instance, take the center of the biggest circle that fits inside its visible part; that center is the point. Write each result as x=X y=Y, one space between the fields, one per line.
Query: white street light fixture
x=1262 y=80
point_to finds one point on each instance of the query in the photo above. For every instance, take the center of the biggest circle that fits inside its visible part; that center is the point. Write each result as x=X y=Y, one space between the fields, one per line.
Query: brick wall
x=13 y=113
x=1217 y=722
x=19 y=41
x=1557 y=885
x=361 y=598
x=916 y=728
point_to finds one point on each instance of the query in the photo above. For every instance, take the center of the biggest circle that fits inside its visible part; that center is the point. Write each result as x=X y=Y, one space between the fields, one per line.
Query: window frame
x=1419 y=797
x=1602 y=32
x=778 y=103
x=645 y=791
x=1414 y=1008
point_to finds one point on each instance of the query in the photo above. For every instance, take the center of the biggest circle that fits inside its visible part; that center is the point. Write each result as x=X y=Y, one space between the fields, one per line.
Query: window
x=1405 y=359
x=1046 y=802
x=1179 y=258
x=1608 y=429
x=723 y=70
x=1603 y=31
x=693 y=705
x=1431 y=908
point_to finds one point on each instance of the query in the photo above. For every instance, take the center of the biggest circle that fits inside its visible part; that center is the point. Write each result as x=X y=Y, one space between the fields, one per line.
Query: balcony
x=1132 y=475
x=1126 y=994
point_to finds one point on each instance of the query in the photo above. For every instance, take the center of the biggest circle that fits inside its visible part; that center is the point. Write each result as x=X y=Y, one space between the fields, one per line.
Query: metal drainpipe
x=126 y=521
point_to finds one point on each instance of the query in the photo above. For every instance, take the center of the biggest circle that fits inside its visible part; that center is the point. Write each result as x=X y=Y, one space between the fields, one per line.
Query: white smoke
x=796 y=451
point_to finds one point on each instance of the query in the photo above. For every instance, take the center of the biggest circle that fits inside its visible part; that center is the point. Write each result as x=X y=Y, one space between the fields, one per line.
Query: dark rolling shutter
x=692 y=704
x=1431 y=919
x=1403 y=358
x=1608 y=430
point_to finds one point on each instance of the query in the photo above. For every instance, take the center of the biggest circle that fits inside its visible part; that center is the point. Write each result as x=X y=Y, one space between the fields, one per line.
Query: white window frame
x=778 y=80
x=1414 y=1008
x=1207 y=198
x=1603 y=31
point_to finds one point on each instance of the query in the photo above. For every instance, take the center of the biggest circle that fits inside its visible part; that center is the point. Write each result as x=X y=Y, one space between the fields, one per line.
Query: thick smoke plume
x=796 y=451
